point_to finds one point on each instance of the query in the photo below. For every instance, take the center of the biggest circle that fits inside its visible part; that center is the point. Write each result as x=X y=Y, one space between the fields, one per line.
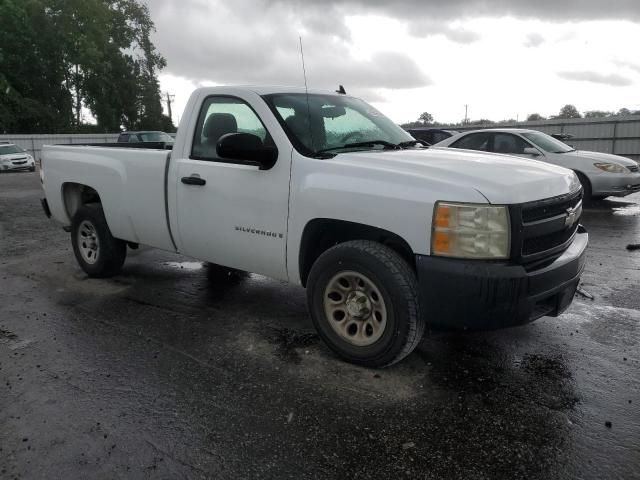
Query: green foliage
x=569 y=111
x=597 y=114
x=58 y=57
x=535 y=117
x=425 y=118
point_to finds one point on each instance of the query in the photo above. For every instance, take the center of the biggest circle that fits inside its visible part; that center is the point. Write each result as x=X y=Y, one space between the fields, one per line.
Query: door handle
x=193 y=180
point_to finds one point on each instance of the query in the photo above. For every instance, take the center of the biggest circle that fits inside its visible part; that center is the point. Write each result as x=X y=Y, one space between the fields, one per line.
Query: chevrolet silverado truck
x=322 y=190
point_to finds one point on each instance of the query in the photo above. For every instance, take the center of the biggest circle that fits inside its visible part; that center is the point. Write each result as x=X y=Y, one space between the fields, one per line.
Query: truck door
x=230 y=212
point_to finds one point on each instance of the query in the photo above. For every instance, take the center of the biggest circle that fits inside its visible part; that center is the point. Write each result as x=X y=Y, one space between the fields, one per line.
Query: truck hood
x=604 y=157
x=501 y=179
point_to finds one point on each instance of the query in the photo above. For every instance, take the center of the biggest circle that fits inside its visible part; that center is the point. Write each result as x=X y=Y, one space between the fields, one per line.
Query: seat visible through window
x=222 y=115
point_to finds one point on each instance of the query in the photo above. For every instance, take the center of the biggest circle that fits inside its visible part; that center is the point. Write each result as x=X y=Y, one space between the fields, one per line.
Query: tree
x=425 y=118
x=569 y=111
x=32 y=94
x=623 y=112
x=597 y=114
x=535 y=117
x=482 y=121
x=60 y=57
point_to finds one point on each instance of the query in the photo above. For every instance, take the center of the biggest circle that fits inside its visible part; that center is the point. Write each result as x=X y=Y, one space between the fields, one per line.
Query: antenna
x=306 y=91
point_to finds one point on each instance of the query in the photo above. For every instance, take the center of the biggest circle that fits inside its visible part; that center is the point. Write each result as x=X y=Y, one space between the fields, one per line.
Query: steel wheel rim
x=88 y=242
x=355 y=308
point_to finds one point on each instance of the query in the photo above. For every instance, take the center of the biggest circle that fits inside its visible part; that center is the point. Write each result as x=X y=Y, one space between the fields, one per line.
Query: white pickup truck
x=322 y=190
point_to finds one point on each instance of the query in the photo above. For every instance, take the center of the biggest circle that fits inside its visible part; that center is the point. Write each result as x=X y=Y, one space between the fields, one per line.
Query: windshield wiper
x=410 y=143
x=368 y=143
x=566 y=151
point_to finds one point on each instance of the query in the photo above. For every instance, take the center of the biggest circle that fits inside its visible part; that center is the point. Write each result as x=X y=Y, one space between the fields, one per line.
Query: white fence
x=33 y=143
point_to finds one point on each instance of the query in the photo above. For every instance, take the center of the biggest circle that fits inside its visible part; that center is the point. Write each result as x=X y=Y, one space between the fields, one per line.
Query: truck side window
x=220 y=115
x=474 y=141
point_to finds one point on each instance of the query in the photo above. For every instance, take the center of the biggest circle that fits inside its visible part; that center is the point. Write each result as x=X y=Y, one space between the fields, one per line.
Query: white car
x=324 y=191
x=601 y=174
x=13 y=157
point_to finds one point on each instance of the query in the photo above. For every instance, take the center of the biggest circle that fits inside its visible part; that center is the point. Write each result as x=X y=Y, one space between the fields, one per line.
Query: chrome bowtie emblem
x=572 y=216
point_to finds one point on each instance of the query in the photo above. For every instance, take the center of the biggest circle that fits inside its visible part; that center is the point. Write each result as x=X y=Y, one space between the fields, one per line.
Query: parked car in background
x=13 y=157
x=563 y=137
x=322 y=190
x=430 y=135
x=601 y=174
x=140 y=137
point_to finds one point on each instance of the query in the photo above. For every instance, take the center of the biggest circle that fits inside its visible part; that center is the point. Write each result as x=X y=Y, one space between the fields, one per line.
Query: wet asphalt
x=161 y=372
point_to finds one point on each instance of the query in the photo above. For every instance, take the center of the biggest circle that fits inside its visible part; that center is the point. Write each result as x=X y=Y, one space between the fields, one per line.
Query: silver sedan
x=601 y=174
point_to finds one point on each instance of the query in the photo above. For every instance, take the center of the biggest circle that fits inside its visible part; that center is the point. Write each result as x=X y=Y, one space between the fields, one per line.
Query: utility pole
x=169 y=99
x=466 y=116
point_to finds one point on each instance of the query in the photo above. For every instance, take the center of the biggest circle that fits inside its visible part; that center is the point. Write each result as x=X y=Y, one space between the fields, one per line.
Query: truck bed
x=131 y=183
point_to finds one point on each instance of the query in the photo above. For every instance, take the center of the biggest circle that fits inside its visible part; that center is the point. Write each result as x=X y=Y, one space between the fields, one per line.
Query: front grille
x=633 y=168
x=535 y=245
x=543 y=209
x=20 y=163
x=543 y=229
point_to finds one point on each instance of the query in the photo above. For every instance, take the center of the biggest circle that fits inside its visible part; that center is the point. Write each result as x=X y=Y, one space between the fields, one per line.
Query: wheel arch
x=74 y=195
x=585 y=181
x=320 y=234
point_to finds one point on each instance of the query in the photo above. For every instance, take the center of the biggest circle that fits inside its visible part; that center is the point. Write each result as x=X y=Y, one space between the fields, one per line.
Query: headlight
x=610 y=167
x=470 y=231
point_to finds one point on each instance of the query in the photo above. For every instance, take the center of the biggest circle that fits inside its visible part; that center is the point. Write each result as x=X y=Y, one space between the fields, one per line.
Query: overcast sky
x=504 y=58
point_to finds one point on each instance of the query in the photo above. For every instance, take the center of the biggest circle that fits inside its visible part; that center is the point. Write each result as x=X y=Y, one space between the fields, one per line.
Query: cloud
x=425 y=29
x=629 y=65
x=613 y=79
x=258 y=43
x=534 y=40
x=558 y=11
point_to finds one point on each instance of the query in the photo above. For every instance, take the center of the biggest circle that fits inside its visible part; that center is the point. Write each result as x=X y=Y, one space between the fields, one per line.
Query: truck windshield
x=547 y=142
x=321 y=123
x=9 y=149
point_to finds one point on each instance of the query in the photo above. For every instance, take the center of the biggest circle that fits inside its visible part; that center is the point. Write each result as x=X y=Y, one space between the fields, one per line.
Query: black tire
x=398 y=286
x=32 y=169
x=587 y=196
x=111 y=252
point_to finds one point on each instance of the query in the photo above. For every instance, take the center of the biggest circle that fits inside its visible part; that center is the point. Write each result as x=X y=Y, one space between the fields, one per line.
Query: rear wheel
x=97 y=251
x=363 y=300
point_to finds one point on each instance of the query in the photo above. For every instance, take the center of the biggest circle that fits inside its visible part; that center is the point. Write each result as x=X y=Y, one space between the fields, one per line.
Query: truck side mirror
x=531 y=151
x=247 y=147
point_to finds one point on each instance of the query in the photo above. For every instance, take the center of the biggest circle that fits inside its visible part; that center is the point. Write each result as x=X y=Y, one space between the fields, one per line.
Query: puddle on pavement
x=192 y=266
x=632 y=210
x=288 y=342
x=6 y=335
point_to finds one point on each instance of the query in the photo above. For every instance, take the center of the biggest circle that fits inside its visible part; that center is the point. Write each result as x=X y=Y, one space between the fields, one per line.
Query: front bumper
x=15 y=166
x=615 y=184
x=477 y=295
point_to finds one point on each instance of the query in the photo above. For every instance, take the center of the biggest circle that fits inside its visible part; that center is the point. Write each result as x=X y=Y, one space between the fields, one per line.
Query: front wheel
x=363 y=300
x=97 y=251
x=586 y=187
